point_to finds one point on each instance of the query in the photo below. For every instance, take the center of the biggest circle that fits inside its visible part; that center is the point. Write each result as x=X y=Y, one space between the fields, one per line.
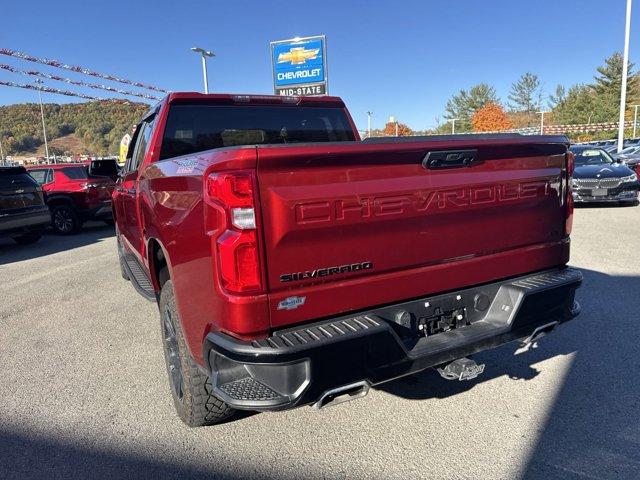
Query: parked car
x=299 y=265
x=74 y=196
x=633 y=162
x=23 y=213
x=625 y=152
x=597 y=177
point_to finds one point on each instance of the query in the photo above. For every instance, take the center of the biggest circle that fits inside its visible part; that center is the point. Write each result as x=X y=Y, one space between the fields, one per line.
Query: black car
x=23 y=212
x=599 y=178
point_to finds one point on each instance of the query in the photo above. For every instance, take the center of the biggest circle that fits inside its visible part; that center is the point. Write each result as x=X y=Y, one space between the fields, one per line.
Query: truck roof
x=55 y=166
x=240 y=98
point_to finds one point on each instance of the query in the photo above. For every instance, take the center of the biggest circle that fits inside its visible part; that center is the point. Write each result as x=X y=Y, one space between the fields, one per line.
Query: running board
x=139 y=279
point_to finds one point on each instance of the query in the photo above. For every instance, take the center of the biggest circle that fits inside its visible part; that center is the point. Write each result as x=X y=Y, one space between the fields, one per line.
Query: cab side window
x=143 y=137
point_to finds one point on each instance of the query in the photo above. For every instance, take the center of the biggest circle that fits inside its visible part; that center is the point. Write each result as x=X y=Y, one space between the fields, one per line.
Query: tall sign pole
x=625 y=67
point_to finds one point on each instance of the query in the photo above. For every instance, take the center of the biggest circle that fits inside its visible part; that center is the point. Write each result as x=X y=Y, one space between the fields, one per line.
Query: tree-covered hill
x=98 y=125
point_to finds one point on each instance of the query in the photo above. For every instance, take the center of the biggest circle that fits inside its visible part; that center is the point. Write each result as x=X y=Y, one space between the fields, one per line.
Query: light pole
x=204 y=53
x=44 y=130
x=625 y=66
x=635 y=119
x=369 y=124
x=392 y=119
x=453 y=125
x=542 y=122
x=1 y=153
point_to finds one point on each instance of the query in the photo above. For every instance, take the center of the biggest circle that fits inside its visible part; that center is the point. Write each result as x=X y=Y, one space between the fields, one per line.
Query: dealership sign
x=300 y=66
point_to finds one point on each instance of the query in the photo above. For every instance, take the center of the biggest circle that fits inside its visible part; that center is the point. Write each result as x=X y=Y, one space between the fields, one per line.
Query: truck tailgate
x=352 y=225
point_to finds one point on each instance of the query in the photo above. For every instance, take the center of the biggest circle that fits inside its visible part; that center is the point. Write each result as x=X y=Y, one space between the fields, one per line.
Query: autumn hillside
x=76 y=128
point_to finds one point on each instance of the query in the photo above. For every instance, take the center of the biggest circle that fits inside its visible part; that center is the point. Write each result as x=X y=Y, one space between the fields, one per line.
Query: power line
x=77 y=69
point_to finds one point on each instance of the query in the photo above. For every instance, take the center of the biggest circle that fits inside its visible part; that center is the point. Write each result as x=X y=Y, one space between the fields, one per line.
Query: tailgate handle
x=450 y=159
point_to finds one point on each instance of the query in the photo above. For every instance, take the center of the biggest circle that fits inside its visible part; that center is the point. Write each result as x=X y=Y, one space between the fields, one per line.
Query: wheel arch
x=157 y=259
x=57 y=200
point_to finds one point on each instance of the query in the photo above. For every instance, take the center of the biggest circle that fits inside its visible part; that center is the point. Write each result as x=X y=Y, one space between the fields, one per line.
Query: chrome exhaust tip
x=343 y=394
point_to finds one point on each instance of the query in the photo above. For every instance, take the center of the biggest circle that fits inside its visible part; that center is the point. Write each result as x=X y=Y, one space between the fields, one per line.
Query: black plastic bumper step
x=248 y=389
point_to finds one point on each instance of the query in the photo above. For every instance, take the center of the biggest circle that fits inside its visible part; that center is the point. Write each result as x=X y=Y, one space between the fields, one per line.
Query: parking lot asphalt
x=84 y=394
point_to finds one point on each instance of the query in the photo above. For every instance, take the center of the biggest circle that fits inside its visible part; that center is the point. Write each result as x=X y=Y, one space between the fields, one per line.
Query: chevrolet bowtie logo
x=298 y=55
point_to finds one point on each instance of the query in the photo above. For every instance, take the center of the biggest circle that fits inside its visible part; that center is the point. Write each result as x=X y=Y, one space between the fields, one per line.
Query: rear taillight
x=571 y=163
x=568 y=223
x=237 y=246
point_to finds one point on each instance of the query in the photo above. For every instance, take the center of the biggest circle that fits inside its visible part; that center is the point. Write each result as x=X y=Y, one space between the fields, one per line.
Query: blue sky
x=402 y=58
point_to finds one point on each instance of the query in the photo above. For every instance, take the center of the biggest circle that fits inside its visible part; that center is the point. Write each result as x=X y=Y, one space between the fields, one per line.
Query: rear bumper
x=297 y=366
x=33 y=220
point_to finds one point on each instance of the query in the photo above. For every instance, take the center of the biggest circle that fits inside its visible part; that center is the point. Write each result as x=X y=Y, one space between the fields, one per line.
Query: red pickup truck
x=294 y=264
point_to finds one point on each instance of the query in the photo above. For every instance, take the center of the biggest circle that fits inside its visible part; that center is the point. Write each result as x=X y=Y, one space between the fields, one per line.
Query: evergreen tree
x=608 y=82
x=558 y=97
x=578 y=106
x=526 y=94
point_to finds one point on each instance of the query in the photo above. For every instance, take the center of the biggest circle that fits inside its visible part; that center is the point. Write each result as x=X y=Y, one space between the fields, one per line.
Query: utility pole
x=204 y=53
x=542 y=122
x=635 y=119
x=1 y=153
x=44 y=130
x=369 y=124
x=625 y=68
x=453 y=125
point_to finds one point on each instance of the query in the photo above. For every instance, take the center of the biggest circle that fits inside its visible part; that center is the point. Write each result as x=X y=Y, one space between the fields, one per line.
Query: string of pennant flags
x=77 y=69
x=35 y=73
x=44 y=88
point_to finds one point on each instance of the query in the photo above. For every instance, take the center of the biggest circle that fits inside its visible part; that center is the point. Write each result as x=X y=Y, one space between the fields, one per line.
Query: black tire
x=191 y=389
x=109 y=222
x=28 y=238
x=64 y=220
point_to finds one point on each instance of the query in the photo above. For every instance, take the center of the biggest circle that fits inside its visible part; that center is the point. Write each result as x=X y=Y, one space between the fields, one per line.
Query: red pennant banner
x=76 y=68
x=43 y=88
x=108 y=88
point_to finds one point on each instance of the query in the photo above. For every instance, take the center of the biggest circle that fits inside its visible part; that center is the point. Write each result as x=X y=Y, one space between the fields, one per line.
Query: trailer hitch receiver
x=461 y=369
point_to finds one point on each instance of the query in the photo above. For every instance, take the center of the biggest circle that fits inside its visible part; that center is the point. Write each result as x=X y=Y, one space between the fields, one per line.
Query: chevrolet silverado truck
x=294 y=264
